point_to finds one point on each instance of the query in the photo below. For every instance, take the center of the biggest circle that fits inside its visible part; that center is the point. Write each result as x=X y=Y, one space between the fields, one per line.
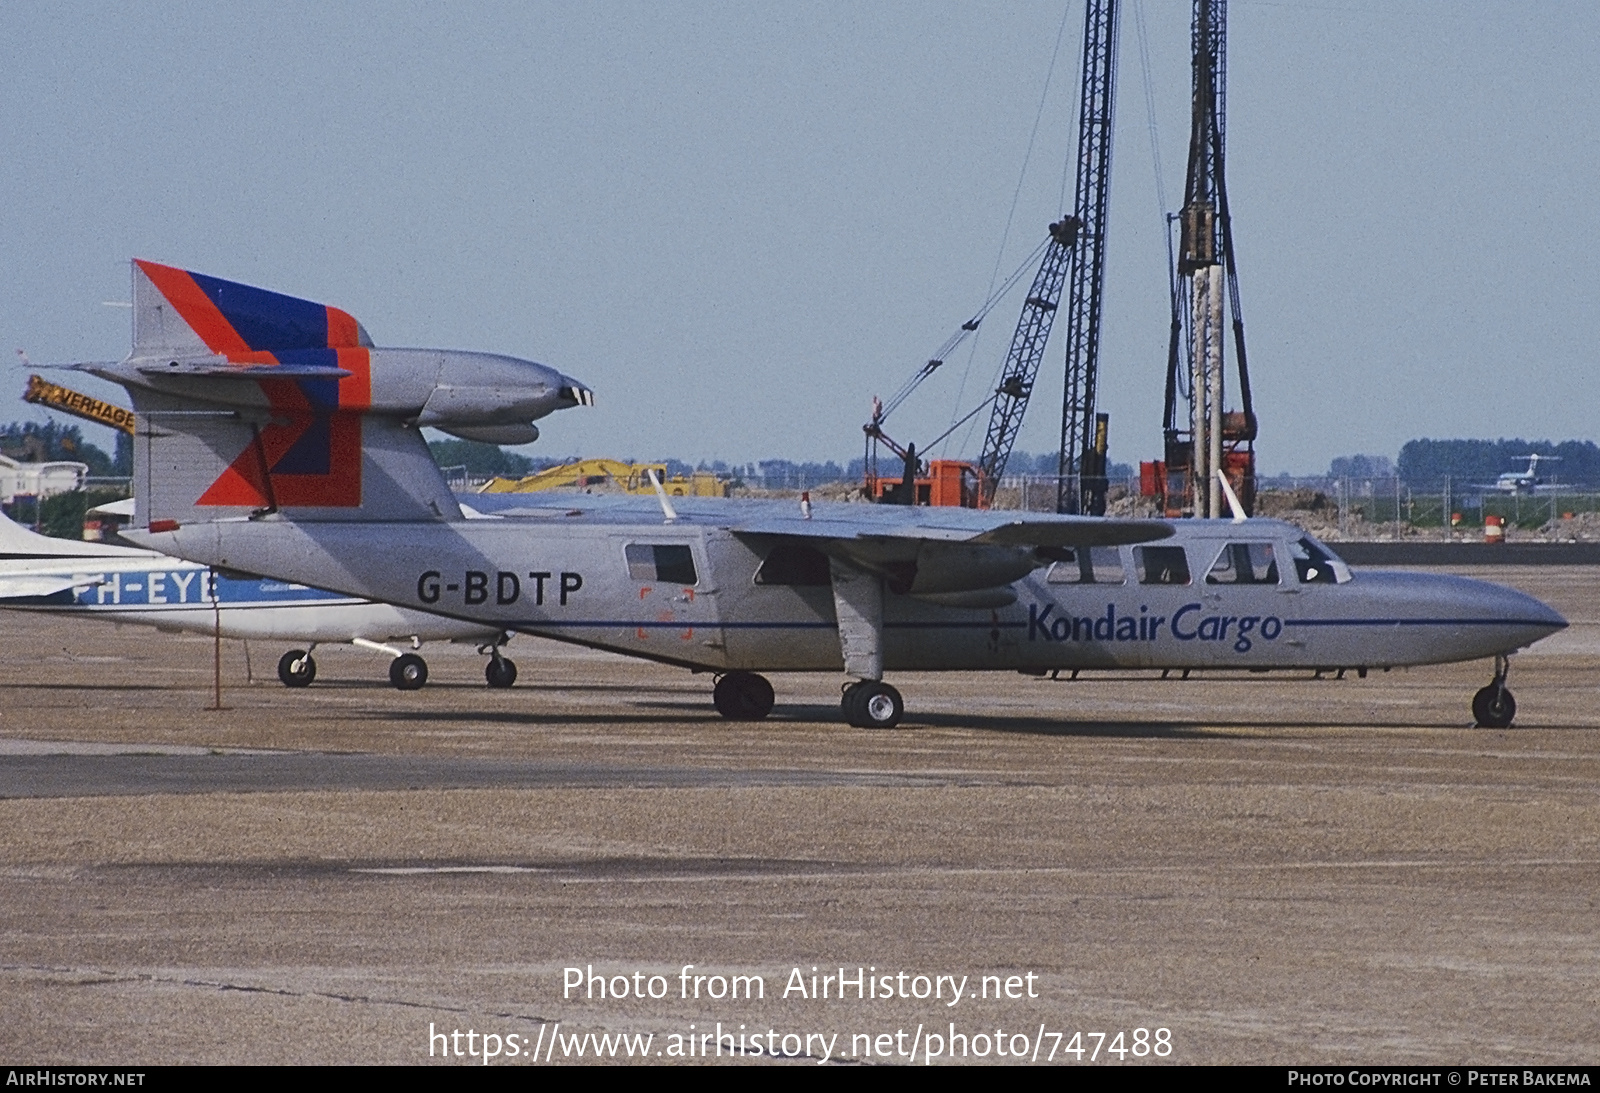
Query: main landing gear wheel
x=872 y=704
x=742 y=696
x=408 y=672
x=500 y=672
x=1493 y=707
x=296 y=668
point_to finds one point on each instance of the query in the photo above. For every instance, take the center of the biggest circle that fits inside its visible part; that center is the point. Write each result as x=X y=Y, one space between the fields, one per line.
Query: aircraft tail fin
x=180 y=312
x=251 y=402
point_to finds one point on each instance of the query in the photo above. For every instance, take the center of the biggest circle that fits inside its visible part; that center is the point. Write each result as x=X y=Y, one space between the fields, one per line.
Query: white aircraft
x=129 y=585
x=1526 y=481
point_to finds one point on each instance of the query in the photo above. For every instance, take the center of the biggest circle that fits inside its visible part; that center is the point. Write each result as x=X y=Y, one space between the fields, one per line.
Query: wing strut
x=858 y=602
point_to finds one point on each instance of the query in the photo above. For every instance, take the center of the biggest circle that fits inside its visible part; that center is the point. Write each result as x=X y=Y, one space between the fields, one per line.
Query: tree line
x=1482 y=461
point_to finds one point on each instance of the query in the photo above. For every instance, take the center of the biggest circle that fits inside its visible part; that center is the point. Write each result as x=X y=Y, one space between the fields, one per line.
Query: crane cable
x=1005 y=236
x=962 y=333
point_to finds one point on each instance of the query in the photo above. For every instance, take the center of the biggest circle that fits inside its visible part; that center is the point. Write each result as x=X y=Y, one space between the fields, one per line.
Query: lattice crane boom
x=1027 y=351
x=1081 y=485
x=1076 y=249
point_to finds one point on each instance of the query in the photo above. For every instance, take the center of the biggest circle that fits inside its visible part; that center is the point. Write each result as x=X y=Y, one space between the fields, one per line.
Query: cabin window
x=1161 y=565
x=668 y=563
x=1087 y=565
x=795 y=564
x=1313 y=564
x=1245 y=563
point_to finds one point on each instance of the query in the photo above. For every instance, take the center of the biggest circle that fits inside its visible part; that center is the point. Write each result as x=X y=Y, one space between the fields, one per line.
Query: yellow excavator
x=611 y=475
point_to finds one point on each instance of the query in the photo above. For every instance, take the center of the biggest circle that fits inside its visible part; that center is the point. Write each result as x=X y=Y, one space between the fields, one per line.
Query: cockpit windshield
x=1316 y=564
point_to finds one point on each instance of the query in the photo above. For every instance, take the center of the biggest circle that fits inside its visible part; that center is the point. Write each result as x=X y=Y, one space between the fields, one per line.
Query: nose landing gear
x=1493 y=707
x=296 y=668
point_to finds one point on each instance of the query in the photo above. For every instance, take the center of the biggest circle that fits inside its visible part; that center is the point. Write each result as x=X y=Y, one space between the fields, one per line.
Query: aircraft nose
x=1543 y=614
x=1506 y=618
x=1458 y=618
x=1515 y=606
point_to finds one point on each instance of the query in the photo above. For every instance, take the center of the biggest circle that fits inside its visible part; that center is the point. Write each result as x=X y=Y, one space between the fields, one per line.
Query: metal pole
x=1214 y=388
x=1200 y=474
x=216 y=648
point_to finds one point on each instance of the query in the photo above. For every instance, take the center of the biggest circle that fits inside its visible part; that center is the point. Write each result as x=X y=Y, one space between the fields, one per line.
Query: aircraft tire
x=743 y=696
x=296 y=668
x=873 y=705
x=408 y=672
x=1493 y=707
x=500 y=672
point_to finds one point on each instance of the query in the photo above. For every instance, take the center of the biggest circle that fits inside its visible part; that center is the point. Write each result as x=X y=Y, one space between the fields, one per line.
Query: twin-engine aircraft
x=274 y=438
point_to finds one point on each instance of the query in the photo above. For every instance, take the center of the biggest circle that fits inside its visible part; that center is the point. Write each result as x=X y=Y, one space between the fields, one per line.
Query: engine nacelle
x=932 y=569
x=967 y=567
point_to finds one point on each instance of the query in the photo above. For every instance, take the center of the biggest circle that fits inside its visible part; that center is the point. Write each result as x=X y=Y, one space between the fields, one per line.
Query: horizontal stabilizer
x=19 y=543
x=37 y=587
x=222 y=367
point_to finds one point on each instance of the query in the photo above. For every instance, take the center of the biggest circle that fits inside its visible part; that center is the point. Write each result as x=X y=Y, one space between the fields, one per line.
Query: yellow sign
x=44 y=393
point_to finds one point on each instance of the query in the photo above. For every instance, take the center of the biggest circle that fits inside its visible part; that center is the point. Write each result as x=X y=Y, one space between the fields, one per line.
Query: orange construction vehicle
x=950 y=482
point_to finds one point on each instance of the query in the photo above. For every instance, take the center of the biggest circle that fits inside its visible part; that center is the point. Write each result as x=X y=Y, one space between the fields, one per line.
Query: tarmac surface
x=1270 y=869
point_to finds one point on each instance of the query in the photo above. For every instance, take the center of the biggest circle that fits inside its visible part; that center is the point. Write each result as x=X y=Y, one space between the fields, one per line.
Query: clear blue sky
x=739 y=223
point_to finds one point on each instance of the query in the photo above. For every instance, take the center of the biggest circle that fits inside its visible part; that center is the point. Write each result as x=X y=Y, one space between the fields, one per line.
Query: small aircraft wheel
x=846 y=697
x=500 y=672
x=408 y=672
x=874 y=705
x=742 y=696
x=1493 y=707
x=296 y=668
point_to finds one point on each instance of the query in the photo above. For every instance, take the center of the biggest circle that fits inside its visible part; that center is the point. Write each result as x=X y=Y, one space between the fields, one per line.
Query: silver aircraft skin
x=738 y=588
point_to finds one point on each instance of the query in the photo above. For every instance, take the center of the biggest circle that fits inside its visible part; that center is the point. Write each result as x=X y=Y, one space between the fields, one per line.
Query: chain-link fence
x=1366 y=508
x=1445 y=507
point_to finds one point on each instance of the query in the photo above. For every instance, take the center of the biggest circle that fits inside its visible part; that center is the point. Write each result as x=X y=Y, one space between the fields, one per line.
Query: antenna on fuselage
x=661 y=495
x=1239 y=516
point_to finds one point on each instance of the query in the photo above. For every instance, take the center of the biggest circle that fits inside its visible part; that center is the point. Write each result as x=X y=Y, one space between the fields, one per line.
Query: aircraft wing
x=950 y=525
x=911 y=526
x=1076 y=531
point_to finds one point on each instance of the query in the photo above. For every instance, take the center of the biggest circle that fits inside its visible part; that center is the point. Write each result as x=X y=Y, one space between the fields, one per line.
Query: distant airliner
x=1526 y=481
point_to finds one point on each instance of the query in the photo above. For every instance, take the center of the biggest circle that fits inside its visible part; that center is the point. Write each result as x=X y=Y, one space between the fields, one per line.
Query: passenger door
x=671 y=612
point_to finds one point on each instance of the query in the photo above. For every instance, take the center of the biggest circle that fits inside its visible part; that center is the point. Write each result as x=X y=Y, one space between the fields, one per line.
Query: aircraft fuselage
x=1216 y=595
